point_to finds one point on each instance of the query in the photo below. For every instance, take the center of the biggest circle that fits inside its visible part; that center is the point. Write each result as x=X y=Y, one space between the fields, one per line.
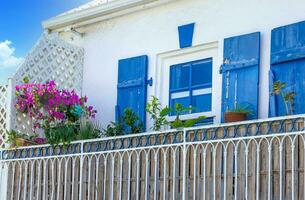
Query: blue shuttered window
x=240 y=73
x=132 y=86
x=191 y=85
x=288 y=66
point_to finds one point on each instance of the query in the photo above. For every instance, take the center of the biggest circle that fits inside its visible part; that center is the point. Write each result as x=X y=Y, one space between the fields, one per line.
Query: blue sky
x=20 y=28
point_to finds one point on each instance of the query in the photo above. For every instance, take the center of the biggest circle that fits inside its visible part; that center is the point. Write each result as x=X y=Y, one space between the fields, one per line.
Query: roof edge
x=99 y=13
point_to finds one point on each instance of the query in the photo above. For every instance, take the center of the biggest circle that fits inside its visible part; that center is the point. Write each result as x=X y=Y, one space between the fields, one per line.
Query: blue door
x=240 y=73
x=132 y=86
x=288 y=66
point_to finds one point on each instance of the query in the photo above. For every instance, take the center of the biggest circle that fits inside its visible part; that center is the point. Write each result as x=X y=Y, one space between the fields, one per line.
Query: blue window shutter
x=186 y=33
x=132 y=86
x=241 y=73
x=288 y=65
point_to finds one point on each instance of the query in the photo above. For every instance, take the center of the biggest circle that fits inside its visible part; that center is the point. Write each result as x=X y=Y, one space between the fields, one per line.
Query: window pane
x=202 y=103
x=179 y=76
x=184 y=101
x=202 y=72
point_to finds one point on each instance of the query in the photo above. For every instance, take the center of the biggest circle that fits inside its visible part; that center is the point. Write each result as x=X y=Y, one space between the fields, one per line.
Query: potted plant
x=239 y=113
x=178 y=123
x=18 y=140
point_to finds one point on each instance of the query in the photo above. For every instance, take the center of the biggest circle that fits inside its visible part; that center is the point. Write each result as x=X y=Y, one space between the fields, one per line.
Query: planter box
x=234 y=117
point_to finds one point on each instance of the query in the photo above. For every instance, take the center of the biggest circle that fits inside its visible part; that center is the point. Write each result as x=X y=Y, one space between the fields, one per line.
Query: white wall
x=154 y=32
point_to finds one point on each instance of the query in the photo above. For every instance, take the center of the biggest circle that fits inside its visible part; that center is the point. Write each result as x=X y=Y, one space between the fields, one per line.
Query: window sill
x=191 y=116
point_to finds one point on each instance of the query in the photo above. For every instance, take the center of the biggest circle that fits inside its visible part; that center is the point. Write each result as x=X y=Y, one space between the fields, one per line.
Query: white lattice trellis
x=51 y=59
x=3 y=113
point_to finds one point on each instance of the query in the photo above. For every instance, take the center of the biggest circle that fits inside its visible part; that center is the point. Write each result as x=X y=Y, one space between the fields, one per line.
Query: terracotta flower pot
x=235 y=117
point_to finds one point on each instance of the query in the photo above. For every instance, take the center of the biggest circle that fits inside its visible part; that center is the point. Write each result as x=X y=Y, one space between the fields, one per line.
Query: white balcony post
x=184 y=165
x=81 y=171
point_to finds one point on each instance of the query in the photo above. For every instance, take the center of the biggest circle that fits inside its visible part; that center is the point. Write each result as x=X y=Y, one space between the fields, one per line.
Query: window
x=191 y=85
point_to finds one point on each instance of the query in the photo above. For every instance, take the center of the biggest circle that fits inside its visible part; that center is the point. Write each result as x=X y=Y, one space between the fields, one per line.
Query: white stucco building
x=115 y=30
x=210 y=55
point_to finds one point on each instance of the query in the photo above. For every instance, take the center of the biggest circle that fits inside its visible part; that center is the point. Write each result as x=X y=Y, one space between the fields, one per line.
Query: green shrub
x=128 y=123
x=65 y=134
x=89 y=130
x=114 y=129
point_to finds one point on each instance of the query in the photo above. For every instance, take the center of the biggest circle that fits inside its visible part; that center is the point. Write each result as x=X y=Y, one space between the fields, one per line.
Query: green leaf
x=192 y=122
x=177 y=124
x=277 y=87
x=157 y=113
x=241 y=109
x=165 y=111
x=289 y=96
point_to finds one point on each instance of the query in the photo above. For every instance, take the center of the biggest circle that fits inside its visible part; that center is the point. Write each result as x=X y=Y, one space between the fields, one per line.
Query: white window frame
x=162 y=74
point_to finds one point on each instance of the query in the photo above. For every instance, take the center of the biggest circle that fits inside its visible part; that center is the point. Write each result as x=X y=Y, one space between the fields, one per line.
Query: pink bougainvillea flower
x=45 y=103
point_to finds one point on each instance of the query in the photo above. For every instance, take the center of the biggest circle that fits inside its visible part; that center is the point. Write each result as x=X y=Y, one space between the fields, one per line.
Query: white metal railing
x=261 y=159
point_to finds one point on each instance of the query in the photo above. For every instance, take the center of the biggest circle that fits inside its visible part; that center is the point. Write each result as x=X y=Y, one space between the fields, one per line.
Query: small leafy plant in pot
x=159 y=114
x=237 y=114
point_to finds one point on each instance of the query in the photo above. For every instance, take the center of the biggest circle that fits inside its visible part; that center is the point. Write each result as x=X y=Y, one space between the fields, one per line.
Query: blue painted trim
x=190 y=86
x=150 y=81
x=238 y=65
x=194 y=87
x=131 y=83
x=186 y=33
x=288 y=55
x=205 y=60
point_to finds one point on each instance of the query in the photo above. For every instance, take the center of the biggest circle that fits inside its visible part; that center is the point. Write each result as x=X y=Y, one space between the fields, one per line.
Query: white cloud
x=7 y=57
